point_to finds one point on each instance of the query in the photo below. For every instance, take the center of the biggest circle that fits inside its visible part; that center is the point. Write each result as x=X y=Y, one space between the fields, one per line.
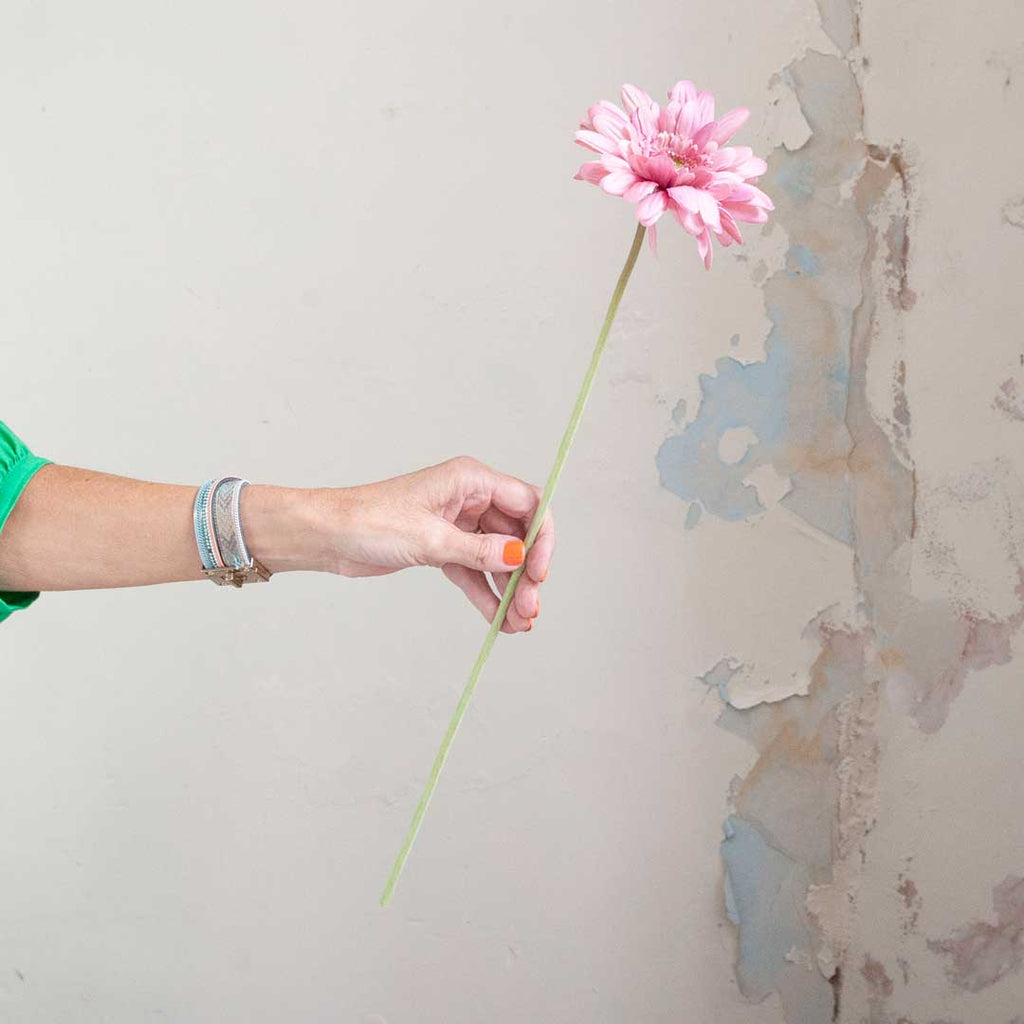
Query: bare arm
x=76 y=529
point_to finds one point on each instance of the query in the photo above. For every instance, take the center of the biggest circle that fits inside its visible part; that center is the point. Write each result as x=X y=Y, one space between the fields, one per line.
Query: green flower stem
x=506 y=599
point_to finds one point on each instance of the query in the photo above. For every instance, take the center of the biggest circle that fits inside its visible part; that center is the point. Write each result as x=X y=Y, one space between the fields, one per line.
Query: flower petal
x=729 y=124
x=639 y=190
x=652 y=239
x=683 y=91
x=752 y=168
x=650 y=209
x=709 y=210
x=614 y=163
x=660 y=168
x=592 y=172
x=597 y=142
x=703 y=135
x=616 y=182
x=609 y=127
x=686 y=197
x=730 y=227
x=634 y=98
x=704 y=247
x=745 y=212
x=705 y=108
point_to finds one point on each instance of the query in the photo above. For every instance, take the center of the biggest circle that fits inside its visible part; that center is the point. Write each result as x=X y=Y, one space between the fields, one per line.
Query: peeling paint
x=912 y=903
x=1013 y=212
x=810 y=417
x=1008 y=400
x=980 y=953
x=880 y=989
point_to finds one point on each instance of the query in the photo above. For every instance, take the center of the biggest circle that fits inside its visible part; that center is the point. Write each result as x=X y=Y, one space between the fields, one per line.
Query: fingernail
x=537 y=609
x=513 y=553
x=529 y=625
x=544 y=576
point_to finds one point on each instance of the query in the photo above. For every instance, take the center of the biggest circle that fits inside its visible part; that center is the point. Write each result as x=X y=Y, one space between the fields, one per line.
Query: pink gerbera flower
x=674 y=158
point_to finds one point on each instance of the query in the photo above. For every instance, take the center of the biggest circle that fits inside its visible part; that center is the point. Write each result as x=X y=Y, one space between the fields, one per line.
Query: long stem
x=531 y=536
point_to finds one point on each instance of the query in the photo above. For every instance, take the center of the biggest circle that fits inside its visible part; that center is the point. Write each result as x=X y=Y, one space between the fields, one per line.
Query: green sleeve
x=17 y=466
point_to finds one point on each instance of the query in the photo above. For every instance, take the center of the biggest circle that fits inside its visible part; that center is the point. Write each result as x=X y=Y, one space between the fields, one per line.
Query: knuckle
x=462 y=463
x=481 y=551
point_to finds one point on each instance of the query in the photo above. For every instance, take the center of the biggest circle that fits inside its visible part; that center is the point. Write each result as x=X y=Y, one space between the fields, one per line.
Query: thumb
x=486 y=552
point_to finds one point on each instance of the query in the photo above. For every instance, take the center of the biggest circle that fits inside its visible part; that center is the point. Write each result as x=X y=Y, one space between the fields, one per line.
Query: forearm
x=76 y=529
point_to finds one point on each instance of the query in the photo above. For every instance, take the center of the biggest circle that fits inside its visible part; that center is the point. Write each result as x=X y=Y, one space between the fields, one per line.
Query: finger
x=474 y=585
x=538 y=559
x=526 y=600
x=514 y=497
x=493 y=520
x=485 y=552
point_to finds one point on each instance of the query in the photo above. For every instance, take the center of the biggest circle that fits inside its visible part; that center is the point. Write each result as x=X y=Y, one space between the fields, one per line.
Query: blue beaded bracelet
x=218 y=528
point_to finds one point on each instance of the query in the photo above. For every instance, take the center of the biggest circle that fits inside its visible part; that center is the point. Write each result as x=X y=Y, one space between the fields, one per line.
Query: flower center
x=681 y=150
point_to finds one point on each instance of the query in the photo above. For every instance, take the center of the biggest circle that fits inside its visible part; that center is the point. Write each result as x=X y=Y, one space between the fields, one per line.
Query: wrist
x=285 y=528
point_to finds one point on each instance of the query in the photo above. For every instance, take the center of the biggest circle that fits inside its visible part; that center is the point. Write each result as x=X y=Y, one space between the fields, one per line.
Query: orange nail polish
x=529 y=625
x=513 y=553
x=536 y=611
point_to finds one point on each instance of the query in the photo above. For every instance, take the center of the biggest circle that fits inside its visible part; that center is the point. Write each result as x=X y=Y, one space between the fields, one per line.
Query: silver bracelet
x=218 y=528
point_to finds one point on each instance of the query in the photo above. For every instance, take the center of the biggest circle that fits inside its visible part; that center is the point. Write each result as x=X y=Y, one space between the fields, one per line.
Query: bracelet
x=218 y=528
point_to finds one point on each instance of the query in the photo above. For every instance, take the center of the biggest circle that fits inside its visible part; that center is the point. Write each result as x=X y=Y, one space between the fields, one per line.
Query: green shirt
x=17 y=466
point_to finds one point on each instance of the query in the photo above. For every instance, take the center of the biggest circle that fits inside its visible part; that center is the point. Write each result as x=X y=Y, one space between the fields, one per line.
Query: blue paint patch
x=794 y=402
x=719 y=676
x=797 y=177
x=753 y=395
x=693 y=514
x=801 y=262
x=735 y=341
x=764 y=898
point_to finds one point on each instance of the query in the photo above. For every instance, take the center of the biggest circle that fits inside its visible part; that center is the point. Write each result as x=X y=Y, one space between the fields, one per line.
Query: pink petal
x=616 y=182
x=683 y=91
x=745 y=212
x=687 y=221
x=705 y=107
x=686 y=196
x=730 y=123
x=634 y=98
x=638 y=191
x=609 y=127
x=743 y=193
x=730 y=227
x=756 y=197
x=592 y=172
x=597 y=142
x=647 y=119
x=703 y=134
x=652 y=239
x=608 y=110
x=709 y=210
x=650 y=209
x=704 y=247
x=660 y=168
x=667 y=117
x=752 y=168
x=722 y=187
x=614 y=163
x=687 y=122
x=723 y=159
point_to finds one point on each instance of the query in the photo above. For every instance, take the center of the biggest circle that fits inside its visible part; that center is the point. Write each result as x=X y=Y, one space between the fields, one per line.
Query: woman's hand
x=69 y=528
x=461 y=516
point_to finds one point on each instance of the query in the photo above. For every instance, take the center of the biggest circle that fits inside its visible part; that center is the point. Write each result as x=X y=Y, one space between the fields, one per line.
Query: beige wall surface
x=760 y=762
